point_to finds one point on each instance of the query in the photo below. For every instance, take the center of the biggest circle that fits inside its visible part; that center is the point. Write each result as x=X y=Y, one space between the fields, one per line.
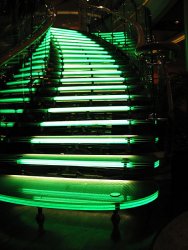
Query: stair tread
x=79 y=194
x=74 y=108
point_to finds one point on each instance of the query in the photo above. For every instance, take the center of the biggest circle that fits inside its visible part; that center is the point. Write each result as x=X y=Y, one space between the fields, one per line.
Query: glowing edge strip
x=84 y=123
x=127 y=205
x=77 y=163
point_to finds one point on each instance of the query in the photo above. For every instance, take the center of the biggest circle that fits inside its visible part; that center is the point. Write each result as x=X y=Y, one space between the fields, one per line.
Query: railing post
x=115 y=221
x=186 y=32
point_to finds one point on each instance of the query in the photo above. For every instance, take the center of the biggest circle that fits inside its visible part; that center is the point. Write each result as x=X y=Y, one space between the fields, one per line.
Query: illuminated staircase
x=75 y=132
x=120 y=39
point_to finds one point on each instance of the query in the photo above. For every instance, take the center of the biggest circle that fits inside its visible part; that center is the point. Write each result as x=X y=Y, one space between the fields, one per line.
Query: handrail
x=27 y=43
x=137 y=26
x=127 y=20
x=44 y=26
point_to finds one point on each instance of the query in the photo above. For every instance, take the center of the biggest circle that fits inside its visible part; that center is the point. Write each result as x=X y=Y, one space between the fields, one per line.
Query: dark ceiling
x=112 y=4
x=173 y=19
x=170 y=24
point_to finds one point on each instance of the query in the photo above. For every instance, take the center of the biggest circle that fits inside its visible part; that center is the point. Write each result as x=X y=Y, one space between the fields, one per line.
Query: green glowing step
x=43 y=47
x=91 y=87
x=37 y=68
x=76 y=194
x=34 y=74
x=97 y=161
x=100 y=139
x=89 y=72
x=11 y=111
x=90 y=109
x=70 y=39
x=37 y=57
x=78 y=47
x=75 y=48
x=36 y=62
x=22 y=82
x=93 y=79
x=75 y=123
x=79 y=51
x=79 y=44
x=97 y=81
x=90 y=123
x=44 y=53
x=86 y=66
x=94 y=98
x=65 y=33
x=90 y=56
x=69 y=89
x=15 y=100
x=60 y=30
x=64 y=36
x=89 y=60
x=16 y=91
x=7 y=124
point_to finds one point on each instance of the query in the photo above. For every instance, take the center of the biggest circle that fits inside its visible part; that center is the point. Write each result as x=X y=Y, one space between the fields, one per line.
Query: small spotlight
x=177 y=22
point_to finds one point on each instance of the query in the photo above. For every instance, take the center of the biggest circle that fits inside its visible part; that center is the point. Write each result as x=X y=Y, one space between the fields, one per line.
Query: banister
x=28 y=42
x=136 y=25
